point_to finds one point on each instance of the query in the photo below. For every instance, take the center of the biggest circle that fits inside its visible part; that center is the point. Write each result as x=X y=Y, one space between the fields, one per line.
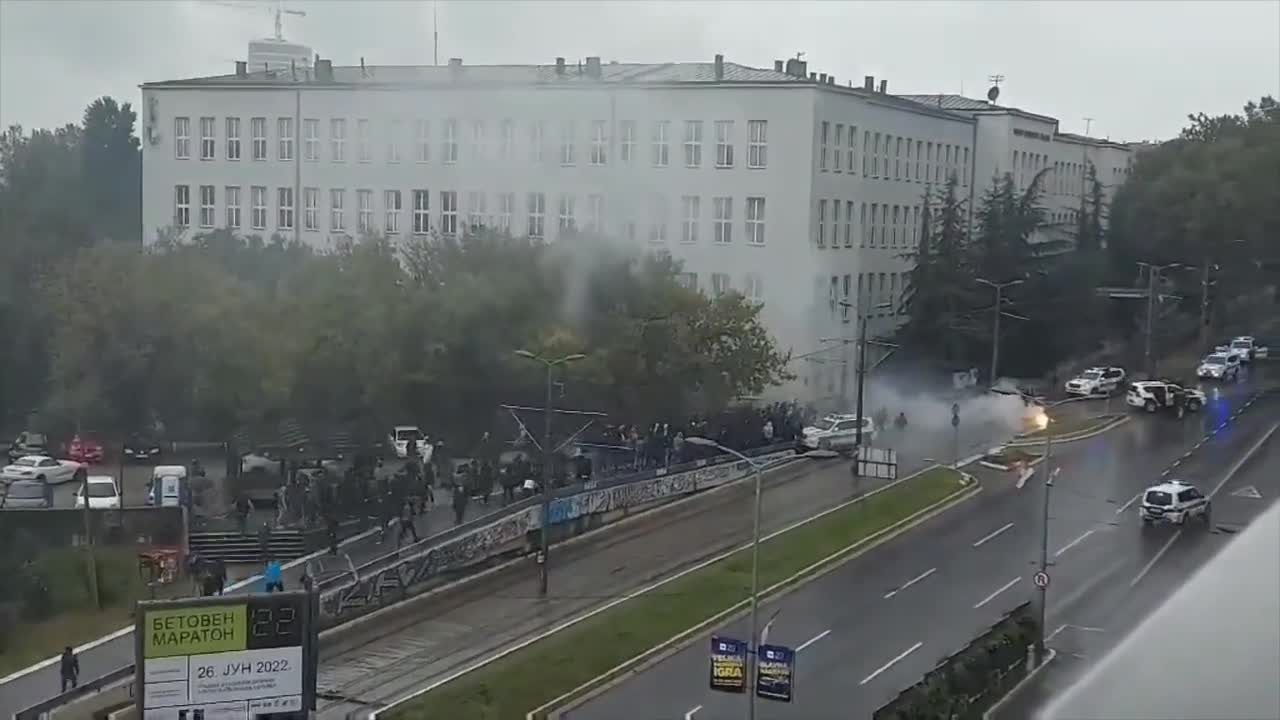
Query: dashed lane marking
x=993 y=535
x=911 y=582
x=993 y=595
x=891 y=663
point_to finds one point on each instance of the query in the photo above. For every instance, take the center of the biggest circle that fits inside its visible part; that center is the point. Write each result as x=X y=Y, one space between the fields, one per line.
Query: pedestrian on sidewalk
x=70 y=667
x=460 y=499
x=332 y=528
x=273 y=576
x=406 y=524
x=385 y=511
x=510 y=480
x=220 y=575
x=264 y=540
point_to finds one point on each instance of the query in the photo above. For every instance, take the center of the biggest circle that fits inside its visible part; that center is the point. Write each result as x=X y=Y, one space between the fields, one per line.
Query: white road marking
x=992 y=535
x=993 y=595
x=891 y=663
x=1074 y=543
x=813 y=640
x=1225 y=479
x=1134 y=499
x=911 y=582
x=1054 y=634
x=689 y=715
x=1089 y=629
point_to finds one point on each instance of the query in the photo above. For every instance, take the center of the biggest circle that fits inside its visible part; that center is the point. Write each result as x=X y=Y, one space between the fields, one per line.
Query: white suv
x=1096 y=381
x=1153 y=395
x=1173 y=502
x=837 y=432
x=1220 y=366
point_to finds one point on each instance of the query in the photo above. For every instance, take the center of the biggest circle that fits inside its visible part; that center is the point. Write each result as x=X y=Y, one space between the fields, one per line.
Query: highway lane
x=448 y=634
x=887 y=617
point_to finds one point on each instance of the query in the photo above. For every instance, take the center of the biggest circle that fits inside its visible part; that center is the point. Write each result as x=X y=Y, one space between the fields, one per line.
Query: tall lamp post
x=545 y=543
x=1153 y=274
x=862 y=372
x=1046 y=424
x=995 y=331
x=755 y=560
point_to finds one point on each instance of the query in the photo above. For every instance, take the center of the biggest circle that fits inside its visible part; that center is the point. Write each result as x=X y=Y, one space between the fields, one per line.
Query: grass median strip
x=1073 y=425
x=547 y=669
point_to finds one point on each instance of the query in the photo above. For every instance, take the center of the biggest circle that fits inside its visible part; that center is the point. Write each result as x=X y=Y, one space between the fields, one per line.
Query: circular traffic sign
x=1041 y=579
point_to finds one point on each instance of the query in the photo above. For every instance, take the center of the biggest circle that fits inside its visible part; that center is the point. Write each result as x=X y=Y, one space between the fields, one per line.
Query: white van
x=169 y=487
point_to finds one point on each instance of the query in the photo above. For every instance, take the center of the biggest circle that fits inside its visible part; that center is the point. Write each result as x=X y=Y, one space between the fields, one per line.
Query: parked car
x=1096 y=381
x=142 y=447
x=399 y=439
x=1153 y=395
x=28 y=443
x=1219 y=366
x=102 y=491
x=45 y=469
x=1249 y=348
x=84 y=449
x=26 y=494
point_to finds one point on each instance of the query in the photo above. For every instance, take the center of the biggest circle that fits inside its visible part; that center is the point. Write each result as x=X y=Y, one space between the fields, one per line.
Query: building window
x=658 y=219
x=838 y=155
x=338 y=140
x=232 y=193
x=479 y=144
x=208 y=129
x=822 y=223
x=448 y=213
x=755 y=221
x=875 y=156
x=284 y=208
x=537 y=142
x=362 y=140
x=233 y=138
x=753 y=288
x=720 y=284
x=919 y=149
x=724 y=143
x=337 y=210
x=692 y=213
x=964 y=172
x=258 y=137
x=599 y=143
x=568 y=220
x=835 y=224
x=628 y=142
x=508 y=141
x=850 y=147
x=867 y=229
x=915 y=226
x=688 y=280
x=207 y=202
x=364 y=217
x=421 y=212
x=866 y=152
x=567 y=155
x=258 y=207
x=284 y=136
x=693 y=143
x=884 y=224
x=537 y=215
x=595 y=213
x=758 y=144
x=723 y=230
x=391 y=212
x=182 y=206
x=311 y=209
x=421 y=141
x=477 y=206
x=822 y=153
x=506 y=208
x=897 y=158
x=395 y=129
x=928 y=161
x=896 y=209
x=450 y=141
x=182 y=138
x=661 y=150
x=848 y=224
x=311 y=138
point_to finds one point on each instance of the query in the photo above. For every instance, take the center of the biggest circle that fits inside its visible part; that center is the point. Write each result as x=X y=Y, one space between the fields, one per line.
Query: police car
x=1219 y=366
x=1173 y=502
x=837 y=432
x=1096 y=381
x=1153 y=395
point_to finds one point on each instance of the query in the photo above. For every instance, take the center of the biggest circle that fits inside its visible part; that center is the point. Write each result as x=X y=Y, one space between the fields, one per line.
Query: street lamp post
x=1046 y=424
x=1153 y=273
x=544 y=551
x=995 y=332
x=755 y=561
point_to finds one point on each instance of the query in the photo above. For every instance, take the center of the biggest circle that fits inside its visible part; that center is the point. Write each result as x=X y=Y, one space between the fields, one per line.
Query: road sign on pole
x=1041 y=579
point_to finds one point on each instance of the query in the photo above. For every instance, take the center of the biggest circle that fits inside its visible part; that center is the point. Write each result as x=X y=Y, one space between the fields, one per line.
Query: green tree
x=111 y=170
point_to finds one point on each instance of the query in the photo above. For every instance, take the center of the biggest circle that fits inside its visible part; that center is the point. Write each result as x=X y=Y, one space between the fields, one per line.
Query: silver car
x=25 y=494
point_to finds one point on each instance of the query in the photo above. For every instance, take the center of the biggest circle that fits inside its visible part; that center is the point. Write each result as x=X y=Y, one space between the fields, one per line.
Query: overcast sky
x=1137 y=68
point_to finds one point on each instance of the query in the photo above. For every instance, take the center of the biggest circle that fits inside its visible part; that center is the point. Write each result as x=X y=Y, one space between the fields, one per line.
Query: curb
x=1085 y=435
x=613 y=677
x=1013 y=691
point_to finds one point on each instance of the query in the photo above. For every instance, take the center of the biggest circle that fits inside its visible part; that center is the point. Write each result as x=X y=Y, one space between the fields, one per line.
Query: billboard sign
x=775 y=672
x=728 y=664
x=226 y=658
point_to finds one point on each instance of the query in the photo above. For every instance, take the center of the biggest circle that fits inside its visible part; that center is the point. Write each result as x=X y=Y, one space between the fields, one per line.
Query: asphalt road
x=878 y=623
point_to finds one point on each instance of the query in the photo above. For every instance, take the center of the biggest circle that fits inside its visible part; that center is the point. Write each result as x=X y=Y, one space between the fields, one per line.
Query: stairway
x=234 y=547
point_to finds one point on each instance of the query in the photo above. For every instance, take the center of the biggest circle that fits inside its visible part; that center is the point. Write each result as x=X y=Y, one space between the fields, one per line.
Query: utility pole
x=1204 y=302
x=995 y=331
x=1153 y=273
x=1044 y=531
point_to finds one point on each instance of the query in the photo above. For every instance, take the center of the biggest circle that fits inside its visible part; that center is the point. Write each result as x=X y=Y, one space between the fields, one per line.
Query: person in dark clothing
x=264 y=541
x=220 y=574
x=460 y=498
x=242 y=513
x=487 y=481
x=70 y=667
x=411 y=450
x=428 y=486
x=331 y=523
x=406 y=523
x=385 y=513
x=510 y=481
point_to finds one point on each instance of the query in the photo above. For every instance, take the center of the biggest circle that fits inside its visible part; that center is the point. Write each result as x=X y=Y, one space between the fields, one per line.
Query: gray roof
x=641 y=73
x=953 y=102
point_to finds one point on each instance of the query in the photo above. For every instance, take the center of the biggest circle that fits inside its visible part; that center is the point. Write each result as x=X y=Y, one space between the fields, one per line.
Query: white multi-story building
x=798 y=192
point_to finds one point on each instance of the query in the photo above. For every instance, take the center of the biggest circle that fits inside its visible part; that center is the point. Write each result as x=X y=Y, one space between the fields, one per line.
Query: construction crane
x=279 y=11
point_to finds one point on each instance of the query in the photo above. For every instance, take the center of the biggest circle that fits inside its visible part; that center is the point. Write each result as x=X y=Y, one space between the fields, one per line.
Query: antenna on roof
x=435 y=36
x=994 y=92
x=1088 y=123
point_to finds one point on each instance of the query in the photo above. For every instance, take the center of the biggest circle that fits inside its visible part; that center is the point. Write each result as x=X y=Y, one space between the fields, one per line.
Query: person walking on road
x=406 y=523
x=331 y=522
x=264 y=541
x=70 y=666
x=461 y=495
x=273 y=576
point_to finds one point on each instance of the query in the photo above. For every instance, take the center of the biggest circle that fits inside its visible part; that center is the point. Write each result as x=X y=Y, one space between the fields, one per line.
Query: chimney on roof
x=777 y=66
x=559 y=66
x=363 y=71
x=813 y=76
x=797 y=68
x=869 y=83
x=822 y=78
x=242 y=68
x=324 y=70
x=593 y=66
x=831 y=79
x=719 y=66
x=884 y=86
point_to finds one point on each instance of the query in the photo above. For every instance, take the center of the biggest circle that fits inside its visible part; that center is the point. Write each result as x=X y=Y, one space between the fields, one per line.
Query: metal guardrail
x=92 y=687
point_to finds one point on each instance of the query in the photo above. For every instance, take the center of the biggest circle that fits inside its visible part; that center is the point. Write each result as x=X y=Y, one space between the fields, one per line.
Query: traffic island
x=588 y=653
x=1069 y=429
x=1006 y=458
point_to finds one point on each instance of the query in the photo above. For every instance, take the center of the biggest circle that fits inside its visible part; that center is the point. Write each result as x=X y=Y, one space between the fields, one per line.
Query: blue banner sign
x=775 y=672
x=728 y=664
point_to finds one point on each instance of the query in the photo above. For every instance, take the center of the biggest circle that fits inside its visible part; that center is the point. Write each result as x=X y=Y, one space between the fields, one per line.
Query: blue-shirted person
x=273 y=576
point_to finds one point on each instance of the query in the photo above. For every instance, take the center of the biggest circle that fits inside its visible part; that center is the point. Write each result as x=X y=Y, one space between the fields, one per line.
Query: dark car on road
x=28 y=443
x=143 y=448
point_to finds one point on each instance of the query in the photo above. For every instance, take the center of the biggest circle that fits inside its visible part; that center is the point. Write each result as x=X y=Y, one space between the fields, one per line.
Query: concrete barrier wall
x=575 y=513
x=65 y=526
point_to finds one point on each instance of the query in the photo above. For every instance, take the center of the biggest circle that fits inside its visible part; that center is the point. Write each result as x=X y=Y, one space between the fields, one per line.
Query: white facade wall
x=790 y=271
